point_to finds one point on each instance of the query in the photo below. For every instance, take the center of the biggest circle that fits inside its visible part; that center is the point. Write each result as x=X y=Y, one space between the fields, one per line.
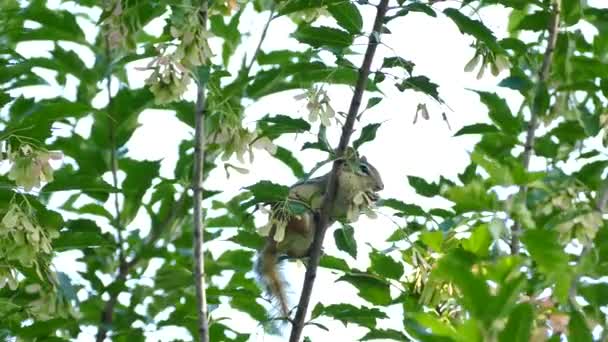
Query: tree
x=517 y=253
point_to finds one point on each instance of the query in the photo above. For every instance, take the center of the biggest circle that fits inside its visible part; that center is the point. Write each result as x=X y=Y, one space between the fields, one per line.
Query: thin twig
x=543 y=75
x=347 y=130
x=262 y=37
x=197 y=188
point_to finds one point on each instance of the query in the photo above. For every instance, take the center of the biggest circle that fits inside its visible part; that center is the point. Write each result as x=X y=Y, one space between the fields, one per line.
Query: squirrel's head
x=368 y=176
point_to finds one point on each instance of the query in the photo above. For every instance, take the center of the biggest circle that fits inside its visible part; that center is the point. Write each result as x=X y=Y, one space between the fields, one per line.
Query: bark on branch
x=197 y=189
x=543 y=75
x=347 y=130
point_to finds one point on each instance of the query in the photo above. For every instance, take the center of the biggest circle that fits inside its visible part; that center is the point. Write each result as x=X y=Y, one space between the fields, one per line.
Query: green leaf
x=125 y=108
x=331 y=262
x=473 y=27
x=499 y=174
x=248 y=239
x=545 y=250
x=66 y=288
x=67 y=61
x=385 y=266
x=422 y=84
x=591 y=174
x=345 y=240
x=433 y=239
x=392 y=334
x=173 y=277
x=238 y=260
x=540 y=105
x=43 y=329
x=508 y=295
x=403 y=208
x=140 y=175
x=545 y=147
x=36 y=118
x=479 y=241
x=291 y=6
x=441 y=213
x=578 y=330
x=519 y=325
x=301 y=76
x=537 y=21
x=317 y=146
x=590 y=121
x=218 y=332
x=248 y=304
x=57 y=24
x=283 y=57
x=266 y=191
x=468 y=175
x=569 y=132
x=398 y=62
x=479 y=128
x=275 y=126
x=223 y=221
x=515 y=82
x=423 y=187
x=416 y=7
x=95 y=209
x=229 y=32
x=323 y=37
x=368 y=133
x=81 y=234
x=472 y=197
x=475 y=295
x=92 y=185
x=500 y=113
x=347 y=313
x=370 y=288
x=347 y=15
x=285 y=156
x=373 y=102
x=435 y=324
x=596 y=294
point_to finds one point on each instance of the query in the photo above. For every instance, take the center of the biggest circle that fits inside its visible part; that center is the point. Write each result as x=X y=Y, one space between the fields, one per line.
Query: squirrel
x=292 y=224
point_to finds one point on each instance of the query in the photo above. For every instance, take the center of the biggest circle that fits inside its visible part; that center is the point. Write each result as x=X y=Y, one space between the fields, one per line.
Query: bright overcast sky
x=426 y=149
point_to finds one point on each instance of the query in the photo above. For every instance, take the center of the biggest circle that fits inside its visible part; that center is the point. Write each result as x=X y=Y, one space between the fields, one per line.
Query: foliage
x=448 y=270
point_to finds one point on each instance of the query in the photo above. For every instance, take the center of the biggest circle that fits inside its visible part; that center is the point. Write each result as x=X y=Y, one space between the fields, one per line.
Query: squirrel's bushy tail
x=269 y=276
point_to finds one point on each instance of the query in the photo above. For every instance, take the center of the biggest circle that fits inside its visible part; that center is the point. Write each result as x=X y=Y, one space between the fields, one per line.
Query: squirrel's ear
x=363 y=159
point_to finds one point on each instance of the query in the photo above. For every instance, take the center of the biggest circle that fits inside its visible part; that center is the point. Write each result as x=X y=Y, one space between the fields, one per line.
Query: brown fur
x=269 y=274
x=300 y=230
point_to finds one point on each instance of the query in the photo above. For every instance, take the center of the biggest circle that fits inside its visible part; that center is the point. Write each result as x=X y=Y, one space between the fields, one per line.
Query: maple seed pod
x=481 y=71
x=470 y=66
x=494 y=69
x=502 y=62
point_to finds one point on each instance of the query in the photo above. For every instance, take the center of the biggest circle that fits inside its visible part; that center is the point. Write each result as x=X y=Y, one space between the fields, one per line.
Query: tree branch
x=543 y=75
x=107 y=313
x=347 y=130
x=197 y=188
x=126 y=267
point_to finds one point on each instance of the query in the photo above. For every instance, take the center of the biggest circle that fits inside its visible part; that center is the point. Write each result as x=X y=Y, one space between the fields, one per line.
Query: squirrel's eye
x=364 y=169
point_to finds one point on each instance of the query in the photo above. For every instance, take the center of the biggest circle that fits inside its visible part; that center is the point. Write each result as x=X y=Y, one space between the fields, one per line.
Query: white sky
x=426 y=149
